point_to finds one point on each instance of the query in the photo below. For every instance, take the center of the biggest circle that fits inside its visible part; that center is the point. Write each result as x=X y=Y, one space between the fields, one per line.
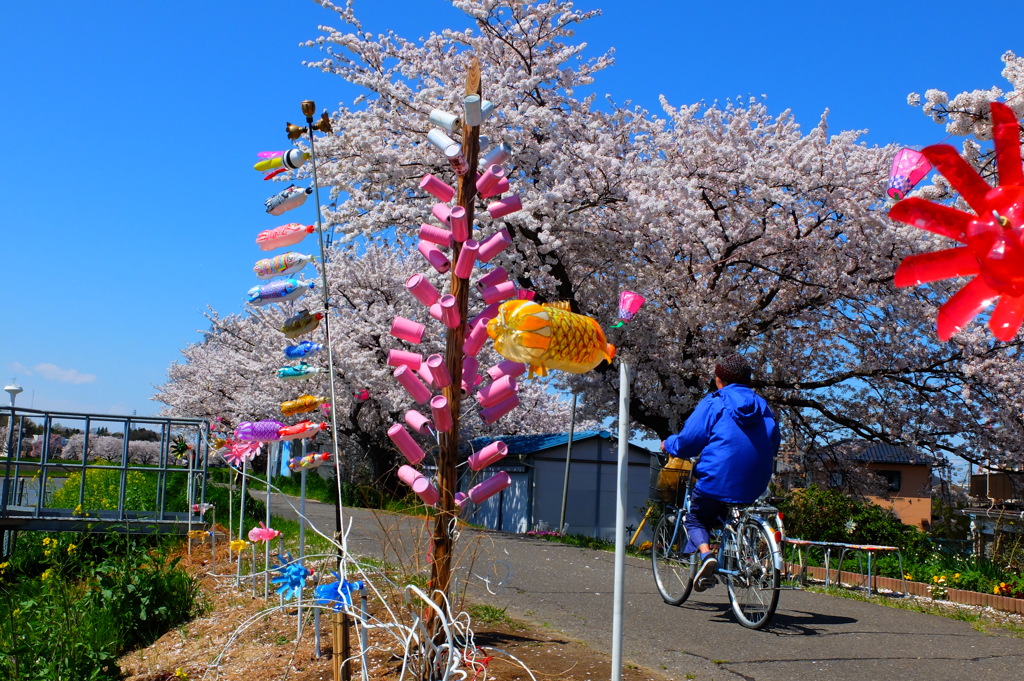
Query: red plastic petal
x=1007 y=317
x=963 y=307
x=960 y=174
x=933 y=217
x=925 y=267
x=1006 y=135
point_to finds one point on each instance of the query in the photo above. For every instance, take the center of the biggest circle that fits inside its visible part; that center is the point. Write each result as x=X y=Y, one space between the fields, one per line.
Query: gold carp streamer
x=548 y=336
x=301 y=405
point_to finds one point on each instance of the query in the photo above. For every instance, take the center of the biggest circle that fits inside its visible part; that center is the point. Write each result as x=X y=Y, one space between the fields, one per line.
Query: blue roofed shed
x=536 y=464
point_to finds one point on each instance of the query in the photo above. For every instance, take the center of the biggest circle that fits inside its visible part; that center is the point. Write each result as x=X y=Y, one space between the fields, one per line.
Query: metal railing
x=40 y=470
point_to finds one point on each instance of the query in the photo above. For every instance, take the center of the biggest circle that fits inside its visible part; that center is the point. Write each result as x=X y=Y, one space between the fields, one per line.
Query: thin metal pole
x=568 y=460
x=620 y=522
x=338 y=520
x=241 y=524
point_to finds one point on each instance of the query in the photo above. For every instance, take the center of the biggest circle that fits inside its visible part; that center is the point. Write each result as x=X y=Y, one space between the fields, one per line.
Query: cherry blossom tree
x=744 y=230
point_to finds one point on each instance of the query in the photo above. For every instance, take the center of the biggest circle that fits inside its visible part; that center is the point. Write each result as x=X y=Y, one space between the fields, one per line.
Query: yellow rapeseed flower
x=956 y=576
x=47 y=573
x=71 y=549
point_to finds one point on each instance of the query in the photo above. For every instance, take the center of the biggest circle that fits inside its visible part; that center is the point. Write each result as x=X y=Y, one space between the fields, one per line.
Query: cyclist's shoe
x=705 y=576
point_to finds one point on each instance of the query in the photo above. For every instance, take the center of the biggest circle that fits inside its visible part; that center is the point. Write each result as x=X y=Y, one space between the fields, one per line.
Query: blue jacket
x=735 y=434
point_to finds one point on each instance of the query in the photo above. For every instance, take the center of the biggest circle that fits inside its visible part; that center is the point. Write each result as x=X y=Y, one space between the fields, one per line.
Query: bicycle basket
x=672 y=480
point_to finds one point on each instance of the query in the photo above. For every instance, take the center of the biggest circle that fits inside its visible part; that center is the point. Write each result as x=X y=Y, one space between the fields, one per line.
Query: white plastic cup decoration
x=496 y=156
x=471 y=110
x=448 y=121
x=440 y=140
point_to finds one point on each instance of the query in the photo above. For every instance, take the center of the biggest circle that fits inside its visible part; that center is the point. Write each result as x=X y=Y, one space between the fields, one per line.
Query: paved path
x=812 y=637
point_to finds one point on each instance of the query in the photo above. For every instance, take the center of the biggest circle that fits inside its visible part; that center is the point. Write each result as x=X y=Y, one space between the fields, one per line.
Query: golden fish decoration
x=301 y=405
x=548 y=336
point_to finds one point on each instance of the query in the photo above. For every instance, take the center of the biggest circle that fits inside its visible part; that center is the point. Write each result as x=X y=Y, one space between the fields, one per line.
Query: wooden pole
x=448 y=448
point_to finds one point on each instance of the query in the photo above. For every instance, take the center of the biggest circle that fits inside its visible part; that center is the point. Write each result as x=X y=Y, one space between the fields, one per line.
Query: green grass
x=489 y=614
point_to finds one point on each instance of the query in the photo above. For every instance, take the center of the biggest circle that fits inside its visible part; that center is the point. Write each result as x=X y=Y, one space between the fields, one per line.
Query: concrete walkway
x=812 y=637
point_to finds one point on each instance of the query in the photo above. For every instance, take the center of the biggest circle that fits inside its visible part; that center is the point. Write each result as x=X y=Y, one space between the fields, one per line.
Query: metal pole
x=568 y=460
x=620 y=522
x=241 y=524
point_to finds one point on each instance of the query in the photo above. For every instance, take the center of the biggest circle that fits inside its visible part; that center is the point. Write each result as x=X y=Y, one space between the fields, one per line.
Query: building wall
x=912 y=503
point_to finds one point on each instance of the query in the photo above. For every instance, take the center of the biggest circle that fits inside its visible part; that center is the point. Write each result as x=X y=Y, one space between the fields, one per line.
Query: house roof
x=883 y=452
x=527 y=444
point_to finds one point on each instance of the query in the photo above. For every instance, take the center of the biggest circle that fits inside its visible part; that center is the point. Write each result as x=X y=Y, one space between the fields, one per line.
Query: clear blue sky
x=130 y=130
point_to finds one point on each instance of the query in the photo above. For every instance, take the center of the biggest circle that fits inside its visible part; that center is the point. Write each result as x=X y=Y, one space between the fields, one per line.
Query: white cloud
x=55 y=373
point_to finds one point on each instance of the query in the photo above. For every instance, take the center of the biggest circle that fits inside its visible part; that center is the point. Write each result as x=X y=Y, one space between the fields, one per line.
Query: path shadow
x=783 y=623
x=495 y=638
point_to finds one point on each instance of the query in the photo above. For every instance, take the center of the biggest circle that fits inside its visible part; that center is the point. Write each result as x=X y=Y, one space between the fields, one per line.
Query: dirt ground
x=265 y=649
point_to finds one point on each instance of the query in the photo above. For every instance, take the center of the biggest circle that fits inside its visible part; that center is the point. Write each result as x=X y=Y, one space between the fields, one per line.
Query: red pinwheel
x=993 y=238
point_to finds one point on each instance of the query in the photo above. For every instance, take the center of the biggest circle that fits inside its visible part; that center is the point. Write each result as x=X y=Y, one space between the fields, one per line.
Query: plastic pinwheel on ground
x=992 y=238
x=292 y=577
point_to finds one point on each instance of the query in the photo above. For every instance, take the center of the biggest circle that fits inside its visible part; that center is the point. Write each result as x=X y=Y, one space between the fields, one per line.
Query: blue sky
x=130 y=130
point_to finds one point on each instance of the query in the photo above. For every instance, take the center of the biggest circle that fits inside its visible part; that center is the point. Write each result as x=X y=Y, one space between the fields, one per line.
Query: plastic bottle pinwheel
x=337 y=594
x=263 y=533
x=241 y=452
x=992 y=238
x=292 y=577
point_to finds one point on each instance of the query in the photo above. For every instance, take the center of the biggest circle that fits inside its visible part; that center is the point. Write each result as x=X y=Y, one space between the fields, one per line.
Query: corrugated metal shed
x=528 y=444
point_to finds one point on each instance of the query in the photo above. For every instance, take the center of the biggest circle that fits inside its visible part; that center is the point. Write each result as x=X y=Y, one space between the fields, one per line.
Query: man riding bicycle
x=734 y=432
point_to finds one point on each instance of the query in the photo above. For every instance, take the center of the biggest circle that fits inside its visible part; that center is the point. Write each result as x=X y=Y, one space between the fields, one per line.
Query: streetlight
x=13 y=390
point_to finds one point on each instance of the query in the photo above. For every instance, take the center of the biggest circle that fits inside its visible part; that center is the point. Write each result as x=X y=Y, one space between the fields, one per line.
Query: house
x=897 y=478
x=537 y=467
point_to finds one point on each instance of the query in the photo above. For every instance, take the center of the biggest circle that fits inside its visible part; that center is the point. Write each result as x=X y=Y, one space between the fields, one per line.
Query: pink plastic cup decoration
x=407 y=330
x=397 y=358
x=449 y=311
x=497 y=391
x=496 y=411
x=435 y=310
x=493 y=245
x=440 y=140
x=435 y=235
x=460 y=499
x=525 y=294
x=470 y=367
x=426 y=374
x=400 y=436
x=501 y=187
x=456 y=160
x=489 y=179
x=471 y=111
x=506 y=367
x=420 y=484
x=441 y=413
x=438 y=260
x=459 y=224
x=495 y=276
x=489 y=487
x=495 y=451
x=499 y=292
x=475 y=339
x=418 y=422
x=629 y=304
x=422 y=289
x=448 y=121
x=443 y=212
x=412 y=384
x=439 y=371
x=908 y=168
x=439 y=189
x=467 y=258
x=496 y=156
x=485 y=315
x=504 y=207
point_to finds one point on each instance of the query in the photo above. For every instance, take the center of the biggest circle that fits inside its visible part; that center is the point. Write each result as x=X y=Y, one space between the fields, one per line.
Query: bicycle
x=749 y=559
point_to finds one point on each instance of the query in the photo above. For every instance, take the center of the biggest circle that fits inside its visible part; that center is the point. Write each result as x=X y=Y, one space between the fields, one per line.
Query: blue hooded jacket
x=735 y=433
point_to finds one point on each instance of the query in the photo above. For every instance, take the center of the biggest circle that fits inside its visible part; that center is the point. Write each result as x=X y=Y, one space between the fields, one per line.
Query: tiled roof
x=882 y=452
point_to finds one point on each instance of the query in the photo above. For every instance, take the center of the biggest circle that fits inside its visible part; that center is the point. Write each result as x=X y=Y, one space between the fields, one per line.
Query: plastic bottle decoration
x=991 y=237
x=285 y=235
x=629 y=304
x=548 y=336
x=287 y=199
x=362 y=395
x=309 y=461
x=301 y=323
x=302 y=405
x=291 y=575
x=280 y=265
x=277 y=162
x=258 y=431
x=262 y=533
x=201 y=509
x=298 y=372
x=336 y=595
x=238 y=453
x=908 y=168
x=279 y=291
x=300 y=430
x=302 y=349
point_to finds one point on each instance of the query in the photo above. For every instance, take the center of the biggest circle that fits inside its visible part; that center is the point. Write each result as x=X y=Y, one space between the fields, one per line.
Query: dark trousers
x=706 y=512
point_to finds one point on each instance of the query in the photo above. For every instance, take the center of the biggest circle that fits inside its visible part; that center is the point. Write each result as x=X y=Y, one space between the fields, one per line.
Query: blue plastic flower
x=292 y=577
x=338 y=594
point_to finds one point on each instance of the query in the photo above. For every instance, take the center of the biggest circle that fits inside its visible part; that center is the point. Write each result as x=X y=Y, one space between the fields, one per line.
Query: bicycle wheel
x=673 y=569
x=754 y=590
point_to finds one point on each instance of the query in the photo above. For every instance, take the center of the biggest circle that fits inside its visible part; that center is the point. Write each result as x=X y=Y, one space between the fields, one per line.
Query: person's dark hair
x=733 y=369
